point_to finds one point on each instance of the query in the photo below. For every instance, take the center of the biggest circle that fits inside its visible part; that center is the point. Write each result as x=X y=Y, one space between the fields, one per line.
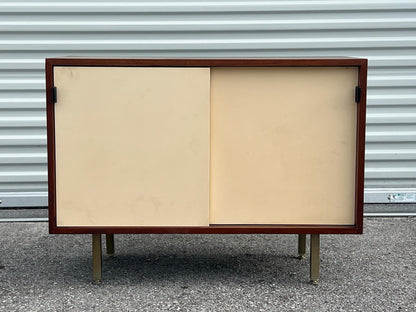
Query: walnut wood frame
x=357 y=228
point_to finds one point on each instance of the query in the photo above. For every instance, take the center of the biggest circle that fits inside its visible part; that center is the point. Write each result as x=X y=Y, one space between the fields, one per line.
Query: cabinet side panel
x=132 y=146
x=283 y=145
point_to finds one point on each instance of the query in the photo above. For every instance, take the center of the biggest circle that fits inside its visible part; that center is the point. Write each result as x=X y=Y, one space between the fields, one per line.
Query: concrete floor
x=375 y=271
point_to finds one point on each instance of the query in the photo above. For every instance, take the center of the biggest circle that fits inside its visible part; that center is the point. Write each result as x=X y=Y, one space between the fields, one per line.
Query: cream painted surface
x=283 y=145
x=132 y=146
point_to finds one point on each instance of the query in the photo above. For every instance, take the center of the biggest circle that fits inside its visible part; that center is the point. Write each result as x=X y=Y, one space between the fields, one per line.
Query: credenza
x=212 y=146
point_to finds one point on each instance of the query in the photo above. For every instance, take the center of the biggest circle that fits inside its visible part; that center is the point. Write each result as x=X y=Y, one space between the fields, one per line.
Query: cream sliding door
x=132 y=146
x=283 y=145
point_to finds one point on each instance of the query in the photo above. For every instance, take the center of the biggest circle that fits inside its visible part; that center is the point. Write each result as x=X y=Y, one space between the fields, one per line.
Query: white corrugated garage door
x=382 y=31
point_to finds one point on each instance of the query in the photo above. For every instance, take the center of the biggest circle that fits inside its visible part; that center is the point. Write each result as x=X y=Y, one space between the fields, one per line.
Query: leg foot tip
x=301 y=257
x=97 y=282
x=314 y=282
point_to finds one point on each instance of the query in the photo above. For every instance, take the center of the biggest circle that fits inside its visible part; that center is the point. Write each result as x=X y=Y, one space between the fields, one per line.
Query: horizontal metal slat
x=401 y=110
x=22 y=103
x=205 y=24
x=22 y=140
x=391 y=99
x=390 y=155
x=391 y=118
x=390 y=173
x=397 y=136
x=207 y=44
x=26 y=176
x=21 y=187
x=22 y=122
x=171 y=52
x=22 y=84
x=391 y=81
x=205 y=6
x=20 y=158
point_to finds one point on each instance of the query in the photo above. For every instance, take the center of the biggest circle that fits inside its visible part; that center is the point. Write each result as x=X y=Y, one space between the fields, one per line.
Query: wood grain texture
x=50 y=120
x=356 y=228
x=213 y=229
x=360 y=145
x=235 y=62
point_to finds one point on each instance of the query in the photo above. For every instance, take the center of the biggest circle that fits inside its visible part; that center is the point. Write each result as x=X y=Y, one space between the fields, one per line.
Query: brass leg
x=109 y=239
x=314 y=264
x=96 y=258
x=301 y=246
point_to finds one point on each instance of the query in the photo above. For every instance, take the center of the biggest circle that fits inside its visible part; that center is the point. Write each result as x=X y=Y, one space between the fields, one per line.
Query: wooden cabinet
x=206 y=146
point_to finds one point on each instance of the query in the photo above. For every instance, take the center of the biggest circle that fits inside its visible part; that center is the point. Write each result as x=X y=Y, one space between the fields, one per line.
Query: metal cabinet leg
x=314 y=260
x=96 y=258
x=109 y=239
x=301 y=246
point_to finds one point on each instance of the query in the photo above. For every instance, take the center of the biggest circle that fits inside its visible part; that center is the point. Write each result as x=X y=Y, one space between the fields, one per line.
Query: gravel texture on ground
x=375 y=271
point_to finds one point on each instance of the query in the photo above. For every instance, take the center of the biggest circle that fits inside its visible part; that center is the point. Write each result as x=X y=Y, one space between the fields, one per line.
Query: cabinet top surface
x=208 y=62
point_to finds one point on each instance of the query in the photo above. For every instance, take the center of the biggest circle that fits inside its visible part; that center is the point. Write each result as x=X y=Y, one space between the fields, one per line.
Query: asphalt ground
x=375 y=271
